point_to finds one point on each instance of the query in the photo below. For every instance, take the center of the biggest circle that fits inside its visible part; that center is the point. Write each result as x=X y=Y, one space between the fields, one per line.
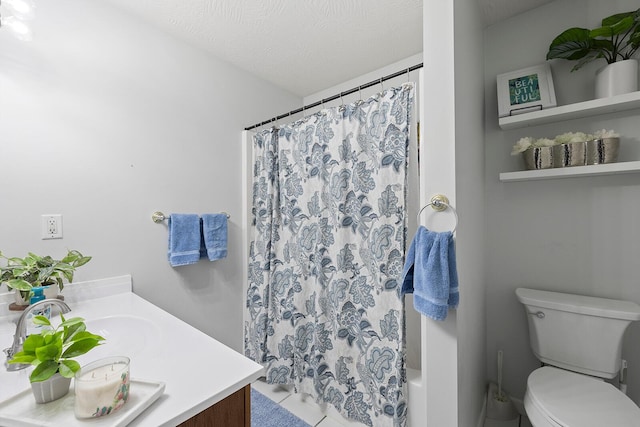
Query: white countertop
x=198 y=370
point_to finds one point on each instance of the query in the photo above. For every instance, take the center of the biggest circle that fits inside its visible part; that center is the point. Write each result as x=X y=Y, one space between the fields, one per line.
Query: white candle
x=102 y=387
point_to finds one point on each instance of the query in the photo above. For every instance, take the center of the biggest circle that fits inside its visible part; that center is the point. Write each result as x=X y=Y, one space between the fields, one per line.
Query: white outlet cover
x=51 y=226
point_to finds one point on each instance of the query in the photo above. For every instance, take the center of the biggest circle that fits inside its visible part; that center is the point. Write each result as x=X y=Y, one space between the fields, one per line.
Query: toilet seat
x=560 y=398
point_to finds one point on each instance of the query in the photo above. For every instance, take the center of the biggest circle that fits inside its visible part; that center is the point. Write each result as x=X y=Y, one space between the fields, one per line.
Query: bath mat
x=267 y=413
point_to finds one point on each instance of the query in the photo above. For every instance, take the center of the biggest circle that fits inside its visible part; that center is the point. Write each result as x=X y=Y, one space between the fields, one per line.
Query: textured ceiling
x=303 y=46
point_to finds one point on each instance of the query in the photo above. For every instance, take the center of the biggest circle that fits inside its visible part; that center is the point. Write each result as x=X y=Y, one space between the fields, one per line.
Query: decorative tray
x=22 y=410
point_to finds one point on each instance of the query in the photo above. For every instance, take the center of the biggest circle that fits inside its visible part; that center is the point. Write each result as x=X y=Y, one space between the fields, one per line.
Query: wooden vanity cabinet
x=232 y=411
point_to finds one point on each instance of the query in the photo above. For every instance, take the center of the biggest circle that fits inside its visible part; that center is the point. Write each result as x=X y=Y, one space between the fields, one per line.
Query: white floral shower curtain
x=325 y=308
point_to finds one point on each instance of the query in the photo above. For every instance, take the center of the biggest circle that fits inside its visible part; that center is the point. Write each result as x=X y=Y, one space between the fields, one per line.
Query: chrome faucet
x=21 y=331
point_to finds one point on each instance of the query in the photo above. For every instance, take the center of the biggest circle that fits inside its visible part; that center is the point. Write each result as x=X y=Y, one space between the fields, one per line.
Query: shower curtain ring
x=408 y=71
x=381 y=85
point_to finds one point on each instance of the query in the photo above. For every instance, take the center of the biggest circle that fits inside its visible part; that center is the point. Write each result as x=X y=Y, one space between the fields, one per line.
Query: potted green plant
x=22 y=274
x=51 y=352
x=615 y=41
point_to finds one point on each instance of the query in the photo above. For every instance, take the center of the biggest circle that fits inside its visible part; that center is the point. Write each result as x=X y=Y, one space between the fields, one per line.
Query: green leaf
x=82 y=261
x=79 y=348
x=623 y=26
x=44 y=371
x=635 y=36
x=573 y=44
x=70 y=322
x=48 y=352
x=614 y=19
x=19 y=284
x=22 y=357
x=72 y=330
x=611 y=30
x=52 y=337
x=72 y=256
x=32 y=343
x=83 y=335
x=68 y=275
x=64 y=266
x=68 y=368
x=45 y=273
x=41 y=320
x=17 y=261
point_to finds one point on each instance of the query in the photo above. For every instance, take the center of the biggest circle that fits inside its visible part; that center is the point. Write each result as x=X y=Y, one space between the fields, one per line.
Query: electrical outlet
x=51 y=226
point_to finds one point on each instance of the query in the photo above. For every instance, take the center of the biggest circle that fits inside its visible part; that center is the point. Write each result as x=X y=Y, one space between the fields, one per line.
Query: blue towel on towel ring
x=430 y=273
x=214 y=236
x=184 y=239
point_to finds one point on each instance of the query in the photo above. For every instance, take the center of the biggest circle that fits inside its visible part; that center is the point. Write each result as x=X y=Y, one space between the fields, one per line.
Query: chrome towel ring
x=439 y=203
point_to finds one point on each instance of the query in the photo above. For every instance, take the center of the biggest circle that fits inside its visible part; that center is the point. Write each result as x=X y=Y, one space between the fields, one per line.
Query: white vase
x=617 y=78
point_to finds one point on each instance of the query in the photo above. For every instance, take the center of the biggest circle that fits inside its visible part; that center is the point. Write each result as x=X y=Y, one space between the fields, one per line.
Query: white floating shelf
x=571 y=172
x=627 y=101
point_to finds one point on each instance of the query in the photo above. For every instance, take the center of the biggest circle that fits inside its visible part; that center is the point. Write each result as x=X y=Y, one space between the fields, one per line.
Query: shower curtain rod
x=340 y=95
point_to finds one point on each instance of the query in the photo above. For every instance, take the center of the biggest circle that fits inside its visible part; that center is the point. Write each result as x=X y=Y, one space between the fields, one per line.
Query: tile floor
x=311 y=413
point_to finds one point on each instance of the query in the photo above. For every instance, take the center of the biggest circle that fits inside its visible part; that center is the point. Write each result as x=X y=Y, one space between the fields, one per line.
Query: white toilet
x=579 y=340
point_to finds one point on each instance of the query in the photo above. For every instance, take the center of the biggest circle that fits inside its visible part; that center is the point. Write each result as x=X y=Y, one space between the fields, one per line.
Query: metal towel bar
x=158 y=216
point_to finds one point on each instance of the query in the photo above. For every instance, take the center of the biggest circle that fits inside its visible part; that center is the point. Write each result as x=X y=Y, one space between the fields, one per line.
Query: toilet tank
x=576 y=332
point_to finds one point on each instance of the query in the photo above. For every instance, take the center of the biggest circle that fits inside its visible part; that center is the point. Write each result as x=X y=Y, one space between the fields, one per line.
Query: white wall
x=578 y=235
x=452 y=145
x=470 y=237
x=105 y=119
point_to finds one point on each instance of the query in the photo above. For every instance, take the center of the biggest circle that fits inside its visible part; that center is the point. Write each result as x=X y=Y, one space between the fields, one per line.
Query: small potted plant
x=51 y=352
x=537 y=153
x=23 y=274
x=615 y=41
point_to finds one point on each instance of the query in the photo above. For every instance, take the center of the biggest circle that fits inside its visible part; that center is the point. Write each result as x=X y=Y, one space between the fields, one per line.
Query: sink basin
x=125 y=335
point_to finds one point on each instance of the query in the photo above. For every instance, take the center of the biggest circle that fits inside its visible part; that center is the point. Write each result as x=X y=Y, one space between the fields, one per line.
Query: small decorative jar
x=569 y=154
x=538 y=157
x=603 y=150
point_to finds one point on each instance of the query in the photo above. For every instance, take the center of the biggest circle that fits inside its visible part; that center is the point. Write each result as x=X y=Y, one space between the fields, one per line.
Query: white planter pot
x=52 y=389
x=617 y=78
x=19 y=299
x=51 y=291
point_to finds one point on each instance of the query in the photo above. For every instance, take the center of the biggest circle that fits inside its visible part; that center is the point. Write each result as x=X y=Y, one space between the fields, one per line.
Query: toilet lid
x=575 y=400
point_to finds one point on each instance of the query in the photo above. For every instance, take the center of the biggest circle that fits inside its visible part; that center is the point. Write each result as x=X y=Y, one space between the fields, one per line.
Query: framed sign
x=525 y=90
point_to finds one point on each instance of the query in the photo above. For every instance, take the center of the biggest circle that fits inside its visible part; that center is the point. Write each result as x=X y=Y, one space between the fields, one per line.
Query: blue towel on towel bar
x=430 y=273
x=214 y=236
x=184 y=239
